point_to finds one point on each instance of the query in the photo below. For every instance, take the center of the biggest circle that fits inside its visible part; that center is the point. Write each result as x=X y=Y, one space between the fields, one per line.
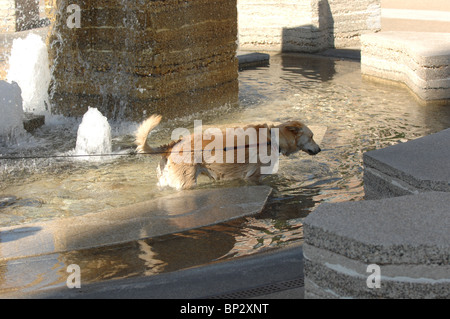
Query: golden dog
x=246 y=151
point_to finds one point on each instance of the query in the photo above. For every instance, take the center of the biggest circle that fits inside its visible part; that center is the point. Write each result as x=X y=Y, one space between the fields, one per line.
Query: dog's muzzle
x=314 y=151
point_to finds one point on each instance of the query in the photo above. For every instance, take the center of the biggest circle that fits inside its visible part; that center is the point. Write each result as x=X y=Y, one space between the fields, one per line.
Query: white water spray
x=29 y=67
x=94 y=135
x=11 y=119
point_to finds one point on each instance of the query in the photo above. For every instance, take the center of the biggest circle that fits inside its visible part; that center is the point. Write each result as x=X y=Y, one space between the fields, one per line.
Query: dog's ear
x=294 y=129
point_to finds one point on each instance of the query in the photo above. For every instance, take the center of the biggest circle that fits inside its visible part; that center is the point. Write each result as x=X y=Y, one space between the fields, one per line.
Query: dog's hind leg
x=189 y=177
x=180 y=176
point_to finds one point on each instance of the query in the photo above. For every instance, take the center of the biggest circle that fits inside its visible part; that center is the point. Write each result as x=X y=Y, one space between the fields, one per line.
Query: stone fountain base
x=135 y=108
x=130 y=60
x=32 y=121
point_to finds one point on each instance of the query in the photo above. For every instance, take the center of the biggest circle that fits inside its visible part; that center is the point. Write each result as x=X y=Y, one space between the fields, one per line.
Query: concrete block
x=407 y=237
x=305 y=25
x=32 y=122
x=134 y=59
x=421 y=165
x=419 y=60
x=252 y=59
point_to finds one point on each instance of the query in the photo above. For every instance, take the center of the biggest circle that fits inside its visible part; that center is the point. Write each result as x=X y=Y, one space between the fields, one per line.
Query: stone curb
x=246 y=277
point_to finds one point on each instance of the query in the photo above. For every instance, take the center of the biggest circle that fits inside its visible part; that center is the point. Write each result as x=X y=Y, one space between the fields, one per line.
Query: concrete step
x=272 y=274
x=421 y=165
x=405 y=238
x=419 y=60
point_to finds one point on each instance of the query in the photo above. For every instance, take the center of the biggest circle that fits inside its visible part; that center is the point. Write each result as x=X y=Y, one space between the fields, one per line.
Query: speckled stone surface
x=407 y=237
x=132 y=59
x=420 y=165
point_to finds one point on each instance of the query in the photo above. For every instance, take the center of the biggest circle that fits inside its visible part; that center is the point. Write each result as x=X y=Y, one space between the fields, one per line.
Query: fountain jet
x=94 y=135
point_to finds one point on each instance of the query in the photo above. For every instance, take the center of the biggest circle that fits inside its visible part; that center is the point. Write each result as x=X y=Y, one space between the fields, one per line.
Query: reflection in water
x=358 y=116
x=138 y=258
x=152 y=264
x=306 y=70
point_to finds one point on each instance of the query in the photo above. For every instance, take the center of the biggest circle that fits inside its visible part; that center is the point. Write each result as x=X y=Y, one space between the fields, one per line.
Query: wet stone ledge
x=162 y=216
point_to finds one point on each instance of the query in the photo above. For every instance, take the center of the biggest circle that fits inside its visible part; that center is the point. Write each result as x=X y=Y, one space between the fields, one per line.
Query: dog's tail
x=142 y=134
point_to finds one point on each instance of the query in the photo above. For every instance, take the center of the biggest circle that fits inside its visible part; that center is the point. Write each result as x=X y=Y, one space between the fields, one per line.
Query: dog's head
x=296 y=136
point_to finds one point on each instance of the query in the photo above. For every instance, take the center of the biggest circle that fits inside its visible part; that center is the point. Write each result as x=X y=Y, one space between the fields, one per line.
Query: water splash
x=29 y=67
x=94 y=135
x=11 y=119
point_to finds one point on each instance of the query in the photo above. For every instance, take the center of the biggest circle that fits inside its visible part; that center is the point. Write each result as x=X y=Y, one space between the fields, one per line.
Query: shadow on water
x=304 y=70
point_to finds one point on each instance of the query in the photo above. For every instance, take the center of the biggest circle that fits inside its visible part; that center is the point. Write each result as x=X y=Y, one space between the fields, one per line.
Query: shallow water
x=358 y=116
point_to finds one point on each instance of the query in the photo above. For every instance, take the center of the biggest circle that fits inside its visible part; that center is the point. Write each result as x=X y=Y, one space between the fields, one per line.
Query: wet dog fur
x=294 y=136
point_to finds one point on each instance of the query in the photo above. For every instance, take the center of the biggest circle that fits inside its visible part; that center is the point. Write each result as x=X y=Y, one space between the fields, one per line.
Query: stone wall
x=7 y=16
x=46 y=8
x=353 y=18
x=18 y=15
x=132 y=59
x=305 y=25
x=267 y=24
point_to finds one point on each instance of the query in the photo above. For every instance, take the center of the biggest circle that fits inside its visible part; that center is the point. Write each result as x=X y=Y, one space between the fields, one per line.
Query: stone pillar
x=305 y=25
x=46 y=8
x=18 y=15
x=134 y=58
